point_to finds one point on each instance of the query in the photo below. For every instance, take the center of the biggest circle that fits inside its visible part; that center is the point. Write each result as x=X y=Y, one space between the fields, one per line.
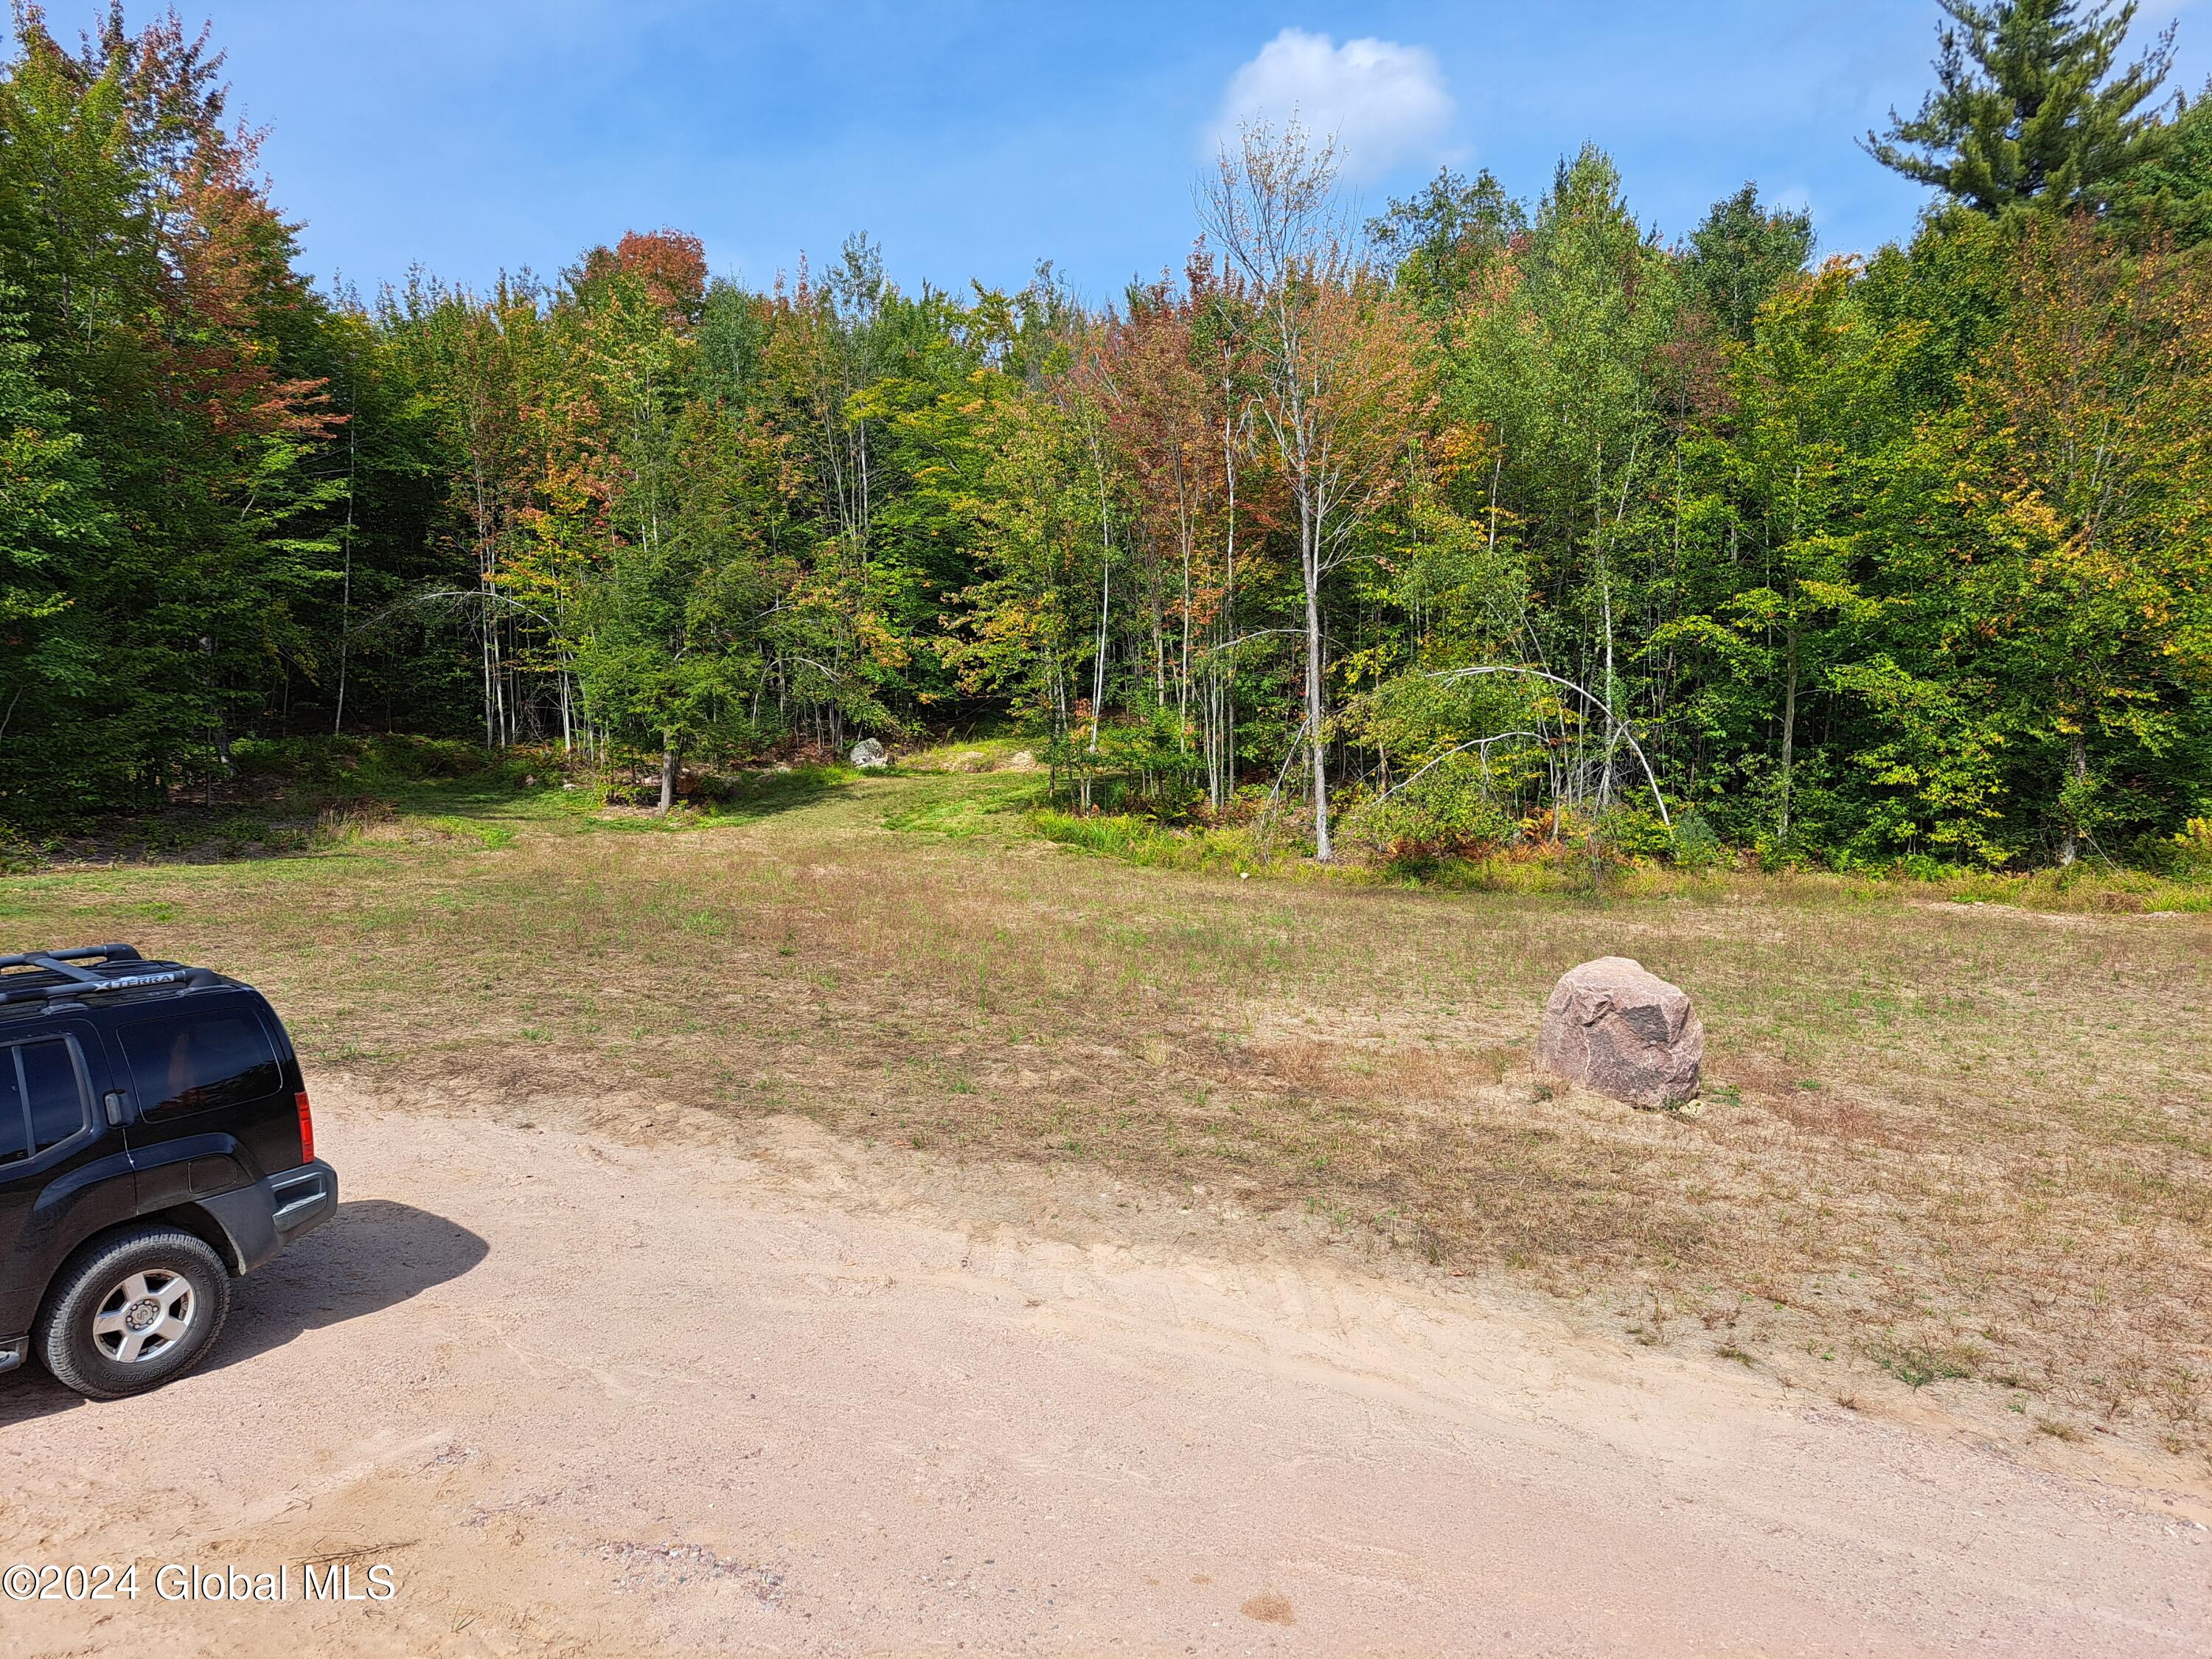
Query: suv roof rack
x=54 y=974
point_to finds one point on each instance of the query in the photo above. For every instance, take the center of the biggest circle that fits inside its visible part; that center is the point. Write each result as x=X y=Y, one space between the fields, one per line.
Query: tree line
x=1482 y=521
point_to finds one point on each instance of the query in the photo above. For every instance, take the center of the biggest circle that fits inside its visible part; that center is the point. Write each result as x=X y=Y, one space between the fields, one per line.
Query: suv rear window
x=42 y=1102
x=187 y=1064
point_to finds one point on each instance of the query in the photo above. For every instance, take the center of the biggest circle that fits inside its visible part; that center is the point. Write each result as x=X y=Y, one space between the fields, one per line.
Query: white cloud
x=1381 y=101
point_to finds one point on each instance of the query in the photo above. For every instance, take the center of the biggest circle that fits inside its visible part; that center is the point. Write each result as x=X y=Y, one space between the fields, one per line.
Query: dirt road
x=578 y=1398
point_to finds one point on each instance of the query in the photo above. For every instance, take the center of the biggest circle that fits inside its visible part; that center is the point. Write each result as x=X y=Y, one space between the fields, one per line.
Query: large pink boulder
x=1616 y=1030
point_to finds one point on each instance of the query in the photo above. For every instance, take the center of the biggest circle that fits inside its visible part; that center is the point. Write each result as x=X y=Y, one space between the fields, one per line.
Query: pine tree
x=2026 y=108
x=2172 y=195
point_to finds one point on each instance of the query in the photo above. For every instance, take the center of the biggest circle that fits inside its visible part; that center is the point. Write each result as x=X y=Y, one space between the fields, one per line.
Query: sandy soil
x=579 y=1398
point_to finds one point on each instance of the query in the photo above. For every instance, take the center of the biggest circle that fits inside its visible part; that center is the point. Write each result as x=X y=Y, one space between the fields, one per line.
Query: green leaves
x=2027 y=110
x=1936 y=778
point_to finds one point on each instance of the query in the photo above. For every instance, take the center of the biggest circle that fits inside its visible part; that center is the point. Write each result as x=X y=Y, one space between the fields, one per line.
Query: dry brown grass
x=1972 y=1148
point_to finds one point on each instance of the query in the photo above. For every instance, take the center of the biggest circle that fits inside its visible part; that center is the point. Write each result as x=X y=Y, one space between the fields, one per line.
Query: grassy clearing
x=1963 y=1151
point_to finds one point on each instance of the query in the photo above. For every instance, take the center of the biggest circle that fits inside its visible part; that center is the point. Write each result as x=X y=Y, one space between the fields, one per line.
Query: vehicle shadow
x=372 y=1255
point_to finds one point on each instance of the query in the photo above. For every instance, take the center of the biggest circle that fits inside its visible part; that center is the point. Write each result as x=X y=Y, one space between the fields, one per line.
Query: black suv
x=155 y=1143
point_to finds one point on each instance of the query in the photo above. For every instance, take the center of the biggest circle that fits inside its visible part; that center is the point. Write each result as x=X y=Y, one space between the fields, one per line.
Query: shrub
x=1634 y=832
x=1696 y=846
x=2190 y=851
x=1449 y=812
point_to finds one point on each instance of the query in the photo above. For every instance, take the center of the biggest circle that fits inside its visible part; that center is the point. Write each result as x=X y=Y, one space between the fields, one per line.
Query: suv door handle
x=113 y=1103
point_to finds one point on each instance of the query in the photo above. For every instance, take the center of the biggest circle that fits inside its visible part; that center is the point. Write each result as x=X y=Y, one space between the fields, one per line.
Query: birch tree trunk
x=1315 y=747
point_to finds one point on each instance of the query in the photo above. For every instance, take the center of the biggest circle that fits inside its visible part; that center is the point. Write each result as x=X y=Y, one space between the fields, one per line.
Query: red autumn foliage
x=671 y=263
x=227 y=253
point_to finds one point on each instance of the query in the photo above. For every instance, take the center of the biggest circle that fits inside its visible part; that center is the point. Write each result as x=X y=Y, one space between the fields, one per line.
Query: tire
x=132 y=1311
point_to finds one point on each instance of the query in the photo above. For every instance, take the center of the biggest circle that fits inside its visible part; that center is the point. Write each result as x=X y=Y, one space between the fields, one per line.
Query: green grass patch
x=964 y=809
x=490 y=837
x=960 y=817
x=1918 y=1366
x=1140 y=840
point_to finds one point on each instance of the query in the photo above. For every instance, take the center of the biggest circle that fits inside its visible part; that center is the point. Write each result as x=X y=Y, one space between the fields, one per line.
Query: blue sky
x=974 y=139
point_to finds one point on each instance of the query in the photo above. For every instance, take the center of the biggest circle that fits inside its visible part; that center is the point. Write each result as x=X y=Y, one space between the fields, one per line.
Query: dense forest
x=1482 y=521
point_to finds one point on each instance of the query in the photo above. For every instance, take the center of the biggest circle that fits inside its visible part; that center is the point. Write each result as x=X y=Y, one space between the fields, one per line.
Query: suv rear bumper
x=262 y=1219
x=255 y=1222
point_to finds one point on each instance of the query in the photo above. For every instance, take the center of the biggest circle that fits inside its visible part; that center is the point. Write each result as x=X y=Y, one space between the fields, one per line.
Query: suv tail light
x=307 y=1128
